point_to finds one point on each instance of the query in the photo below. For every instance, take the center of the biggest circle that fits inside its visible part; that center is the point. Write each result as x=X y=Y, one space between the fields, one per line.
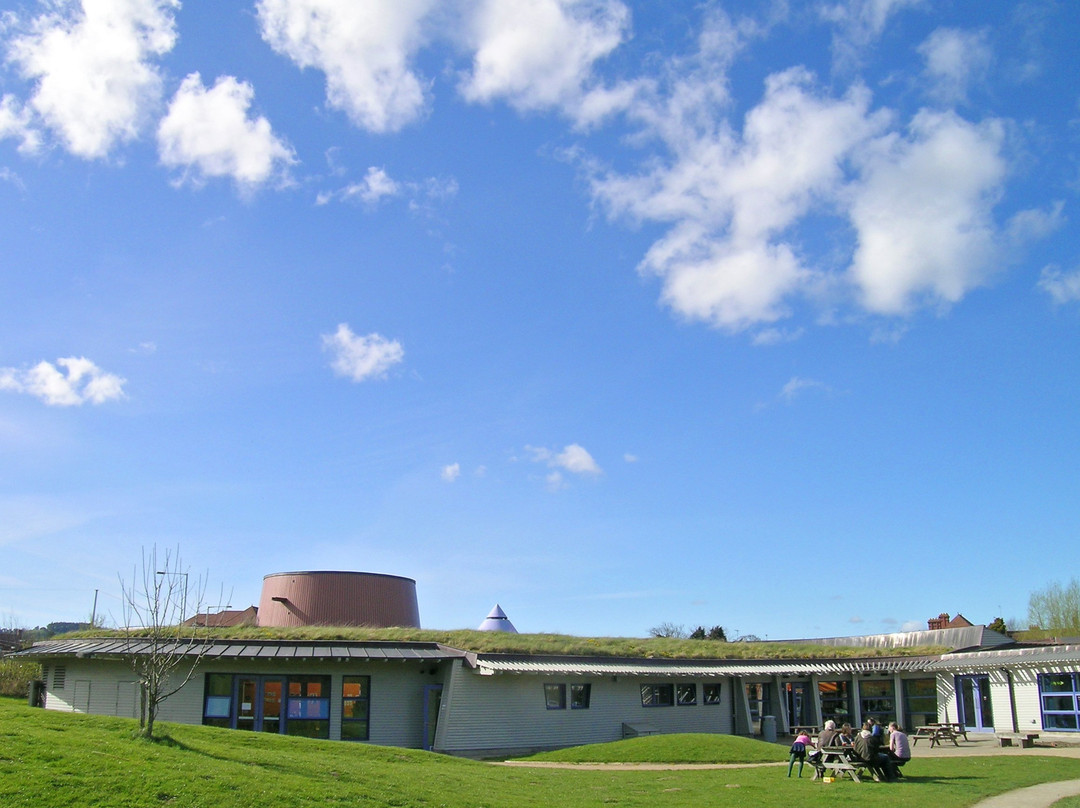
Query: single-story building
x=431 y=696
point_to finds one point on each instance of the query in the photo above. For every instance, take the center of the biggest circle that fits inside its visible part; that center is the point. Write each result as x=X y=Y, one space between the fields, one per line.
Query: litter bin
x=768 y=728
x=35 y=695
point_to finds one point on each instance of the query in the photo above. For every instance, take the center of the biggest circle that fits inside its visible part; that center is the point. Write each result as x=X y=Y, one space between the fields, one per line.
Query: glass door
x=259 y=707
x=976 y=711
x=272 y=691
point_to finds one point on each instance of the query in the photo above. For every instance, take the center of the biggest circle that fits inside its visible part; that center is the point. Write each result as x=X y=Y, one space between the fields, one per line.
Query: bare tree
x=1056 y=608
x=161 y=650
x=668 y=629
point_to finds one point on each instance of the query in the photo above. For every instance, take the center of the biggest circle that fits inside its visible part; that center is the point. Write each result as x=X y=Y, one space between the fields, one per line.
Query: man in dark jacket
x=868 y=750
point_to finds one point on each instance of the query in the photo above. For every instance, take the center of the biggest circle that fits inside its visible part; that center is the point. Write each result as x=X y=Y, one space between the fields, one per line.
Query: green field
x=55 y=759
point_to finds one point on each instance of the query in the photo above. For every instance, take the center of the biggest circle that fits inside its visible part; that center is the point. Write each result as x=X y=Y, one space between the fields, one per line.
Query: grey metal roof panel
x=609 y=666
x=263 y=649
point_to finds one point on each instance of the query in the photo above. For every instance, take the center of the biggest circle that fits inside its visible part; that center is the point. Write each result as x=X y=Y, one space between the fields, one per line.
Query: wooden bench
x=839 y=762
x=1025 y=739
x=935 y=733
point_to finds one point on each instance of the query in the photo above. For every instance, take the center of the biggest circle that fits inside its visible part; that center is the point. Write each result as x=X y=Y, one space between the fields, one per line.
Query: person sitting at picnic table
x=847 y=735
x=899 y=748
x=868 y=751
x=830 y=736
x=801 y=743
x=875 y=728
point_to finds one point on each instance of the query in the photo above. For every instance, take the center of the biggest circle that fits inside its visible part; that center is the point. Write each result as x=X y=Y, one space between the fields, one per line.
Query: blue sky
x=614 y=313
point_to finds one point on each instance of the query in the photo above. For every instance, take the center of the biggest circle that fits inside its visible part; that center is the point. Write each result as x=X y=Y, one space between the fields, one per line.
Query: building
x=431 y=696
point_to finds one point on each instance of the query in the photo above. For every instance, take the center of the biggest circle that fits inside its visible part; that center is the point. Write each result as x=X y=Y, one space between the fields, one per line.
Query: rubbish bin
x=35 y=693
x=768 y=728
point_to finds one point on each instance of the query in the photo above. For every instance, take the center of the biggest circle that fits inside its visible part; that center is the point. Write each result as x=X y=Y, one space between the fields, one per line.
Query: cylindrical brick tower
x=338 y=599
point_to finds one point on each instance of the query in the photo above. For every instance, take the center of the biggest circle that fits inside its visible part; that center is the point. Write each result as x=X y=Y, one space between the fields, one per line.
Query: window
x=579 y=697
x=217 y=705
x=835 y=701
x=920 y=702
x=555 y=697
x=657 y=695
x=1059 y=694
x=355 y=707
x=307 y=709
x=876 y=700
x=59 y=677
x=710 y=694
x=686 y=694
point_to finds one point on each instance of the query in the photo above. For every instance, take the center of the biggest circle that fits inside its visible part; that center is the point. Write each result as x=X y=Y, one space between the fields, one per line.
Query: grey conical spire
x=497 y=621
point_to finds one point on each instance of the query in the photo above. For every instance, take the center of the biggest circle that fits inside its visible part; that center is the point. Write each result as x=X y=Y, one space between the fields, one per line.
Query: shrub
x=16 y=675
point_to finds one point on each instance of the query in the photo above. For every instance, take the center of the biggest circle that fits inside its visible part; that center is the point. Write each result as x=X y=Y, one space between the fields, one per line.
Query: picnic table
x=809 y=729
x=839 y=762
x=935 y=733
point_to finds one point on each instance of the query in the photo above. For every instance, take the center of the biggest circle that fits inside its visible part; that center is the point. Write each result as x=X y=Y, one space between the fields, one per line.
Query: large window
x=711 y=693
x=876 y=700
x=835 y=701
x=307 y=711
x=920 y=702
x=686 y=694
x=355 y=707
x=294 y=705
x=218 y=706
x=657 y=695
x=1060 y=697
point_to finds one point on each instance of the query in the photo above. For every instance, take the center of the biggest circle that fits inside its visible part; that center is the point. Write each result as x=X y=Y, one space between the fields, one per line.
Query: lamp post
x=183 y=593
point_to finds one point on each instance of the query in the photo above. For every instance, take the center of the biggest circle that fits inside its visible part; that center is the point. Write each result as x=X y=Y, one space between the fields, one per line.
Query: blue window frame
x=1059 y=696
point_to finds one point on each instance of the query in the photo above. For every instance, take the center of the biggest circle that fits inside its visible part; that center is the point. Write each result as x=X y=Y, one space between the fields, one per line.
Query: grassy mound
x=675 y=748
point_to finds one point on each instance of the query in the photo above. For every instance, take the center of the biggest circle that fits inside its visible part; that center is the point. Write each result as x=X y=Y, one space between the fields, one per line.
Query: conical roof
x=497 y=621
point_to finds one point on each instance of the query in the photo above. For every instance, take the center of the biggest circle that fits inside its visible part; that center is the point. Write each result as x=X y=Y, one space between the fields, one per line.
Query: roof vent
x=497 y=621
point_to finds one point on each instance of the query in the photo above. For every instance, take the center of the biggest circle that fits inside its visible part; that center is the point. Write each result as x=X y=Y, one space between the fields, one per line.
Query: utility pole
x=93 y=612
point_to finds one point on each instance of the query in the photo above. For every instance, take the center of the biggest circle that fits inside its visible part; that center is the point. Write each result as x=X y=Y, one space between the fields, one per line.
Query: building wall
x=507 y=712
x=396 y=716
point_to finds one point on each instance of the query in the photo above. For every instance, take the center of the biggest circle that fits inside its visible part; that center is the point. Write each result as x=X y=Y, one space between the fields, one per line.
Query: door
x=432 y=702
x=259 y=707
x=973 y=697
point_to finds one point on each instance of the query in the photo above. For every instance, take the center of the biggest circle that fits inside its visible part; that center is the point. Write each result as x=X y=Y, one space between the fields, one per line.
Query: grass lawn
x=55 y=759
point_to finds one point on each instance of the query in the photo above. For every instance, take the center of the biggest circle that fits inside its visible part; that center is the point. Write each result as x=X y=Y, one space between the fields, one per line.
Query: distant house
x=431 y=696
x=943 y=621
x=225 y=619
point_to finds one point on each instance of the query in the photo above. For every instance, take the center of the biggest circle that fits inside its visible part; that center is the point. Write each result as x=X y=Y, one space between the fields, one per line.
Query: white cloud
x=955 y=59
x=359 y=358
x=922 y=212
x=859 y=24
x=72 y=381
x=777 y=336
x=1063 y=287
x=451 y=472
x=375 y=185
x=630 y=458
x=95 y=83
x=733 y=197
x=363 y=48
x=16 y=122
x=573 y=458
x=539 y=54
x=796 y=385
x=210 y=132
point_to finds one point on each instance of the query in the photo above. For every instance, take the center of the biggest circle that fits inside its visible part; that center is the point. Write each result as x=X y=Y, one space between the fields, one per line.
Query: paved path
x=1040 y=796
